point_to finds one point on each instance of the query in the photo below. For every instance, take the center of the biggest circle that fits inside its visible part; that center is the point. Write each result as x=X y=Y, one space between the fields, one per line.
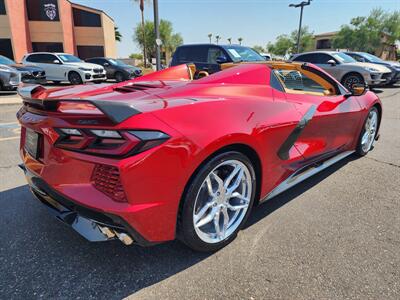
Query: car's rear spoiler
x=116 y=111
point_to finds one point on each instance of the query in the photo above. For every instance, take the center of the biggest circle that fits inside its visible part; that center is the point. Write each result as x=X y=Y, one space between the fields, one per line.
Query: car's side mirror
x=358 y=90
x=332 y=62
x=221 y=60
x=56 y=61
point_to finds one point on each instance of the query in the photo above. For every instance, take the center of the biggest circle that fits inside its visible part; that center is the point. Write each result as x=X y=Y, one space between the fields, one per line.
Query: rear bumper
x=93 y=225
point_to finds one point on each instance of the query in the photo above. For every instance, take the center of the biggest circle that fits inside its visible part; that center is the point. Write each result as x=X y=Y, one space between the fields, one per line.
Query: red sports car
x=164 y=156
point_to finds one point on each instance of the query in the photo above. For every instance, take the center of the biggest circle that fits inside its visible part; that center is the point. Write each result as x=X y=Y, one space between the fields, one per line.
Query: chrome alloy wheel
x=222 y=201
x=371 y=126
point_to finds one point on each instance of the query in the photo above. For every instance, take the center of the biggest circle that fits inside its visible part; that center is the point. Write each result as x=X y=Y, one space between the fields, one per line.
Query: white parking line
x=9 y=138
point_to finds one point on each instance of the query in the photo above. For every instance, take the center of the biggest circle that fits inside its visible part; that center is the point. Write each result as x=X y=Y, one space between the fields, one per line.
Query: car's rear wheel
x=217 y=202
x=368 y=132
x=352 y=79
x=74 y=78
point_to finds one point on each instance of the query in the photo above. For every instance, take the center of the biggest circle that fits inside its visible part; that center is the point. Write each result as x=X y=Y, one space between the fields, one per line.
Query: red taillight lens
x=106 y=142
x=106 y=179
x=72 y=107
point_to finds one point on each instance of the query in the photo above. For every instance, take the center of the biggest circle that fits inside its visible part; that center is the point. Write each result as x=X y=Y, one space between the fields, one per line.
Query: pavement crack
x=384 y=162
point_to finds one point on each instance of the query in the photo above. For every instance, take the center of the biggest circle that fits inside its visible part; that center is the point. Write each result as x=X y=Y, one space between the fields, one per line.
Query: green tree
x=147 y=40
x=217 y=38
x=209 y=37
x=364 y=33
x=136 y=56
x=141 y=7
x=118 y=35
x=258 y=48
x=240 y=40
x=282 y=45
x=285 y=44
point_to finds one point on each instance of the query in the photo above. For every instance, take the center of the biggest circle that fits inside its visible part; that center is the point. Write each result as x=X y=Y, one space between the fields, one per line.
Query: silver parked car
x=346 y=69
x=9 y=78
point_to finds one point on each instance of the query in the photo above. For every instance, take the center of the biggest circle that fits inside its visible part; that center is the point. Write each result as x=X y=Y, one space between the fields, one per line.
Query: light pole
x=157 y=32
x=301 y=5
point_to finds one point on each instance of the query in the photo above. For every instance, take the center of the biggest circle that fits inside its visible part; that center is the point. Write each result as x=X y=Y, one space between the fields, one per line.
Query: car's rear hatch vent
x=139 y=86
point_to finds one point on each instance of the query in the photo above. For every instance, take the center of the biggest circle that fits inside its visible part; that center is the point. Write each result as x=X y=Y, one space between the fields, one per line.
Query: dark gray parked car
x=116 y=69
x=9 y=79
x=28 y=73
x=394 y=66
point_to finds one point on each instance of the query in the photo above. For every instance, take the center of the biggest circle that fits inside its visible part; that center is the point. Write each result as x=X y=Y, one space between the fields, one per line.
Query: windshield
x=239 y=53
x=343 y=58
x=6 y=61
x=68 y=58
x=372 y=58
x=117 y=62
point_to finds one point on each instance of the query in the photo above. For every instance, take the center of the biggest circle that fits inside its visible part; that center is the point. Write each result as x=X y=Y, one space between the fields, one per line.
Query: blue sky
x=257 y=21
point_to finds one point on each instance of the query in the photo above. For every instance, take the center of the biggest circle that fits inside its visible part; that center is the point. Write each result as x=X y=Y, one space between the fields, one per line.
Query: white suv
x=65 y=67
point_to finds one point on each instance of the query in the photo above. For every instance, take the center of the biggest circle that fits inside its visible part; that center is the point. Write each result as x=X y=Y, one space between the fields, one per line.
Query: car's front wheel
x=217 y=202
x=368 y=132
x=74 y=78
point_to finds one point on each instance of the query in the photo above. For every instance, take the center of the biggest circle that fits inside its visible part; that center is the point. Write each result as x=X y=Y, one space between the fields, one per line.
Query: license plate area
x=32 y=143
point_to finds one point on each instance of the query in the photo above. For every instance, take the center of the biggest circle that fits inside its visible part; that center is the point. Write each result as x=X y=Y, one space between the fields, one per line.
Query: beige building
x=56 y=26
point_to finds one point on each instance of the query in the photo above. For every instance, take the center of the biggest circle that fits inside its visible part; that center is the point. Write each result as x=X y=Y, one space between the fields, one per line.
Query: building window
x=83 y=18
x=85 y=52
x=42 y=10
x=47 y=47
x=2 y=7
x=324 y=44
x=6 y=48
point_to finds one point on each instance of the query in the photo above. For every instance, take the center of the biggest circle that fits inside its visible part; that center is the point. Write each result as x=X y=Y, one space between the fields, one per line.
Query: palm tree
x=141 y=6
x=118 y=35
x=209 y=37
x=229 y=40
x=217 y=37
x=240 y=40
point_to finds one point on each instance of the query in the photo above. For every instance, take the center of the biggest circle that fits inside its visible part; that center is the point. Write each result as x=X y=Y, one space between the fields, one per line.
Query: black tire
x=119 y=76
x=351 y=79
x=186 y=231
x=360 y=150
x=1 y=86
x=56 y=82
x=74 y=78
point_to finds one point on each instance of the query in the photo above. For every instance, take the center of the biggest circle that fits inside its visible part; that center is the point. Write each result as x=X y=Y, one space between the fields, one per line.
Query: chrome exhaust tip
x=124 y=238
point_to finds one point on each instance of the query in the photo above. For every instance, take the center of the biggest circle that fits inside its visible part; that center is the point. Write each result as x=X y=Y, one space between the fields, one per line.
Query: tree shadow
x=40 y=257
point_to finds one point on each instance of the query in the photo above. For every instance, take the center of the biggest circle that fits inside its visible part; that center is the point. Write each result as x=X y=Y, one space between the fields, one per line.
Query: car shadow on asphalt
x=41 y=257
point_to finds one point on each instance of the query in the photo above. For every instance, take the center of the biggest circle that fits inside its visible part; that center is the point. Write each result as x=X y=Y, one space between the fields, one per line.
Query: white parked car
x=345 y=68
x=66 y=67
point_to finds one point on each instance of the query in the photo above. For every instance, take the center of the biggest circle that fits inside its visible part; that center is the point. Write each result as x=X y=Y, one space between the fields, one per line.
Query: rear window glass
x=192 y=54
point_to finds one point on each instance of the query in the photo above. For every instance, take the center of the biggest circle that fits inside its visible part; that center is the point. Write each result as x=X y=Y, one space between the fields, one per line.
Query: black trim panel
x=116 y=111
x=283 y=151
x=50 y=198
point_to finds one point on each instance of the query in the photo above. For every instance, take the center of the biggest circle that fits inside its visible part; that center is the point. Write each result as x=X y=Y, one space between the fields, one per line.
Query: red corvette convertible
x=164 y=156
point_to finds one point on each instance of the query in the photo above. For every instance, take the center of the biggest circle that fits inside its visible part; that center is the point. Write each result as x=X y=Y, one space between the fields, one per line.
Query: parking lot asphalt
x=335 y=236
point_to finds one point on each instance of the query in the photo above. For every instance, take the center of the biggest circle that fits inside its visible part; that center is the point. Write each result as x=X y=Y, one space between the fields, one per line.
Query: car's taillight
x=75 y=107
x=106 y=179
x=106 y=142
